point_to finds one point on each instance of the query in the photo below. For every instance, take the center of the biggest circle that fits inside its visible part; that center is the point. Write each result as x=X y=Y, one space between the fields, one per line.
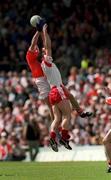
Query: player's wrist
x=40 y=26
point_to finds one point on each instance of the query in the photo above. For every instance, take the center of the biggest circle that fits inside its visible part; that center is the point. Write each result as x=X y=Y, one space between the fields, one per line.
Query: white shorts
x=42 y=86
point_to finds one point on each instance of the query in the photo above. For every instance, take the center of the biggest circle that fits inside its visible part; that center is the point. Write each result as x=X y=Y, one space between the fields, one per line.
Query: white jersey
x=51 y=71
x=43 y=86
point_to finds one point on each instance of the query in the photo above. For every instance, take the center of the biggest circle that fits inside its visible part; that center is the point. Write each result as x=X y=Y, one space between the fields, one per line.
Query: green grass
x=54 y=171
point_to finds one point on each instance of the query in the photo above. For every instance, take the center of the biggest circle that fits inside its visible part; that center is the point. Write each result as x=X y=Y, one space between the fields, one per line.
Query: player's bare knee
x=68 y=117
x=57 y=121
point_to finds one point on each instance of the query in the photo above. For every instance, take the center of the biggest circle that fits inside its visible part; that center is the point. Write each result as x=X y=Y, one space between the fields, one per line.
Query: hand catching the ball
x=45 y=27
x=38 y=22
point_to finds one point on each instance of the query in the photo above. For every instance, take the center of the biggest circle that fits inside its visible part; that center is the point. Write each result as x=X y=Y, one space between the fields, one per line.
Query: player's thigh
x=107 y=137
x=67 y=93
x=65 y=107
x=57 y=113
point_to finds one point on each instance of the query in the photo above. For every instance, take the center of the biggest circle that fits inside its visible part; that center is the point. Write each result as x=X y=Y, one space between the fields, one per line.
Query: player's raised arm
x=47 y=41
x=33 y=45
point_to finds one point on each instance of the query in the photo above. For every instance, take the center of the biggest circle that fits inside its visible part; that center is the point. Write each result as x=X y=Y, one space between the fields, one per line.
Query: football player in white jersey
x=59 y=97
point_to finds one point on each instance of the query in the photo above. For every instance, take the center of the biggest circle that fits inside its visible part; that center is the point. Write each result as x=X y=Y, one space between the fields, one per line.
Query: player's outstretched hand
x=45 y=27
x=41 y=24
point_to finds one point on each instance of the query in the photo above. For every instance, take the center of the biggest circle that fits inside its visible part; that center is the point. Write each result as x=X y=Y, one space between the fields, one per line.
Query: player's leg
x=30 y=150
x=57 y=118
x=64 y=107
x=46 y=100
x=58 y=97
x=107 y=145
x=44 y=89
x=35 y=149
x=75 y=104
x=54 y=127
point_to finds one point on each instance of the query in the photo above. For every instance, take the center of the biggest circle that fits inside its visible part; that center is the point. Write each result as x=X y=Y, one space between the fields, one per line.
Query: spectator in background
x=5 y=148
x=32 y=136
x=18 y=152
x=79 y=29
x=84 y=62
x=85 y=86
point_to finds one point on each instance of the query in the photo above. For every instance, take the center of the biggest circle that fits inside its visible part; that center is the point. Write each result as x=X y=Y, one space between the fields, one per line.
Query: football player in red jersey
x=39 y=78
x=43 y=87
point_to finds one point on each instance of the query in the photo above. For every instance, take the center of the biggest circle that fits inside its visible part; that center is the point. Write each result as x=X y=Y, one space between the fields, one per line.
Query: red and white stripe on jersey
x=48 y=60
x=47 y=64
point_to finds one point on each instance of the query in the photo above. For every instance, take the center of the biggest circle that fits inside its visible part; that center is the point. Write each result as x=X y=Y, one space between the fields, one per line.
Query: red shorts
x=57 y=94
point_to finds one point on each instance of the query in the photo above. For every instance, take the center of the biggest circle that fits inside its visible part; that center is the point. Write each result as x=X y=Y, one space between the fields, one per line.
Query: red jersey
x=34 y=65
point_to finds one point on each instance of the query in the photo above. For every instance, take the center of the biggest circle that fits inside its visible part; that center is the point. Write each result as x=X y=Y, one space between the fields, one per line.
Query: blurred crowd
x=20 y=103
x=78 y=29
x=81 y=42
